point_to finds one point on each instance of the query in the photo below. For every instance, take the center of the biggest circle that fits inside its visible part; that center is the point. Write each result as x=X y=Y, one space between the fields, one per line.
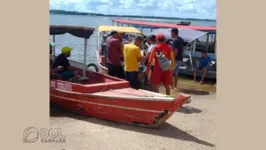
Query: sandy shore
x=190 y=128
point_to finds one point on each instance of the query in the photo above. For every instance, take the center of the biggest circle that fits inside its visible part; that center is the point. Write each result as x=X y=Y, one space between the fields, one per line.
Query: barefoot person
x=132 y=59
x=177 y=47
x=204 y=66
x=63 y=67
x=161 y=54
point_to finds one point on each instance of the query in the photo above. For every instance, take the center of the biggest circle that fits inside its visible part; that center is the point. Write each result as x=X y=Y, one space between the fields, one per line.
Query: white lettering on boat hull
x=61 y=86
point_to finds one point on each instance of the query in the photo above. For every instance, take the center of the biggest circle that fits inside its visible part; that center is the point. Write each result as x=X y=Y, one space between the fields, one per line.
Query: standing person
x=178 y=49
x=114 y=55
x=204 y=66
x=132 y=59
x=162 y=70
x=152 y=43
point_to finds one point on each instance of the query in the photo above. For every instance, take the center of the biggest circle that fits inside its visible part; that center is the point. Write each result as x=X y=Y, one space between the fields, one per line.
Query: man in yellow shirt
x=132 y=59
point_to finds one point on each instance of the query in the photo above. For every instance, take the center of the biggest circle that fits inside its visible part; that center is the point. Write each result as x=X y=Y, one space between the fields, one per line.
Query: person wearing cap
x=132 y=59
x=178 y=48
x=157 y=75
x=204 y=66
x=114 y=55
x=62 y=64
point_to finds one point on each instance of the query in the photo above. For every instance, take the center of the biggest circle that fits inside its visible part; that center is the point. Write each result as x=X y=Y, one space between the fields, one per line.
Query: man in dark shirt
x=62 y=64
x=178 y=49
x=114 y=55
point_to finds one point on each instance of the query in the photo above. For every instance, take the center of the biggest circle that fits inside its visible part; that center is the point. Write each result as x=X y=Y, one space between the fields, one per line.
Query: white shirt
x=151 y=47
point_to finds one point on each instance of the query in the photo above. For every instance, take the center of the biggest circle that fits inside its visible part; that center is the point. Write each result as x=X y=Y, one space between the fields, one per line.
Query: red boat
x=105 y=97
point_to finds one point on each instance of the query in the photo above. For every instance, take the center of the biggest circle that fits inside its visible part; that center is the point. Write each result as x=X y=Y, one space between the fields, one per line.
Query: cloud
x=203 y=9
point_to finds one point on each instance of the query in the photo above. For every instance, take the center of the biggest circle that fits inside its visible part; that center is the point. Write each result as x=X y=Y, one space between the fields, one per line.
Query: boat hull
x=100 y=63
x=141 y=112
x=110 y=98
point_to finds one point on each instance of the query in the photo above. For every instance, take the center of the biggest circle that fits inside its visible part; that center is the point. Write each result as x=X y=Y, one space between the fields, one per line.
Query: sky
x=201 y=9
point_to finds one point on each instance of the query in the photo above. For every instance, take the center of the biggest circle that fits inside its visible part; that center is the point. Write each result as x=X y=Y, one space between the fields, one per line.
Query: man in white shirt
x=152 y=43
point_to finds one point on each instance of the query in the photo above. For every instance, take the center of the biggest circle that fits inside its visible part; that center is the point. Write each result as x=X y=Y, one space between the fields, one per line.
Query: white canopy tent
x=188 y=35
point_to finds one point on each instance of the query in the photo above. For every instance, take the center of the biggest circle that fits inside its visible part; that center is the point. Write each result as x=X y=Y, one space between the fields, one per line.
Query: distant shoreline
x=64 y=12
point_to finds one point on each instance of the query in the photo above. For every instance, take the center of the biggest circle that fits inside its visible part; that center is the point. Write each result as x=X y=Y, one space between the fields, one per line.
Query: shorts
x=200 y=68
x=177 y=65
x=116 y=71
x=66 y=75
x=132 y=77
x=158 y=76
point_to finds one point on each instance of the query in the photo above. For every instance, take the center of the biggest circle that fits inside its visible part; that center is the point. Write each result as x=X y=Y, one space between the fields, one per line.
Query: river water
x=95 y=21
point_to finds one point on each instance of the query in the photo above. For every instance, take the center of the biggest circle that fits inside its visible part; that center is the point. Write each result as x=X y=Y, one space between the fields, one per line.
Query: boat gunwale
x=109 y=105
x=148 y=98
x=97 y=55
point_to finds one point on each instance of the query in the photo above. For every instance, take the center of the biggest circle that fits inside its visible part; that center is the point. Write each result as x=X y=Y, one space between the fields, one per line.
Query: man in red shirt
x=158 y=75
x=114 y=55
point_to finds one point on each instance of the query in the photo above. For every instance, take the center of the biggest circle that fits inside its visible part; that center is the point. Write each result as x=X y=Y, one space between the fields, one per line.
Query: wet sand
x=191 y=128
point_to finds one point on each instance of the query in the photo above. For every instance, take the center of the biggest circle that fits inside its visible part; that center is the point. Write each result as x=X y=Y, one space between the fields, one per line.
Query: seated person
x=62 y=65
x=204 y=66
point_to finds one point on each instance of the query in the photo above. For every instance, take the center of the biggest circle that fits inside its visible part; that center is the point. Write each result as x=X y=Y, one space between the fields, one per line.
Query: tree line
x=65 y=12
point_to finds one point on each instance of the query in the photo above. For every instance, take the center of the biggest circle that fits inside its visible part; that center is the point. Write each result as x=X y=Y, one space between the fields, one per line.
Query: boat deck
x=129 y=92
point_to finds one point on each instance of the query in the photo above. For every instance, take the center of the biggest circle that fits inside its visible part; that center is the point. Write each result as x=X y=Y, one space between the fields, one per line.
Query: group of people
x=162 y=59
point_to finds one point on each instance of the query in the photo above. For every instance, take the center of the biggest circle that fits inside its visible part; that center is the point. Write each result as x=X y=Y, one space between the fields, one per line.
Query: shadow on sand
x=193 y=91
x=165 y=130
x=188 y=110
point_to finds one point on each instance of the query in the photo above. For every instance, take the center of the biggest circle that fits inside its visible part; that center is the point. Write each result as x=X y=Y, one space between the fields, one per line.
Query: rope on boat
x=105 y=87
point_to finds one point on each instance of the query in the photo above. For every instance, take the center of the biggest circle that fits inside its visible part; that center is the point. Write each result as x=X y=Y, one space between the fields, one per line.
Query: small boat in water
x=105 y=97
x=186 y=23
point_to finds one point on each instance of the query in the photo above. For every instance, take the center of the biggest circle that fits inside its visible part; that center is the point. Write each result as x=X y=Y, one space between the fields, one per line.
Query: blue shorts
x=200 y=68
x=177 y=65
x=132 y=77
x=66 y=75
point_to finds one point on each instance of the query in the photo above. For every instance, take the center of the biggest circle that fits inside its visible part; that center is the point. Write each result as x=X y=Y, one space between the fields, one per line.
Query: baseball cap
x=114 y=31
x=66 y=50
x=160 y=36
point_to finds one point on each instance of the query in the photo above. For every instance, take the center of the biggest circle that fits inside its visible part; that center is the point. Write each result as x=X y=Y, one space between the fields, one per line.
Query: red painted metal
x=164 y=25
x=111 y=98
